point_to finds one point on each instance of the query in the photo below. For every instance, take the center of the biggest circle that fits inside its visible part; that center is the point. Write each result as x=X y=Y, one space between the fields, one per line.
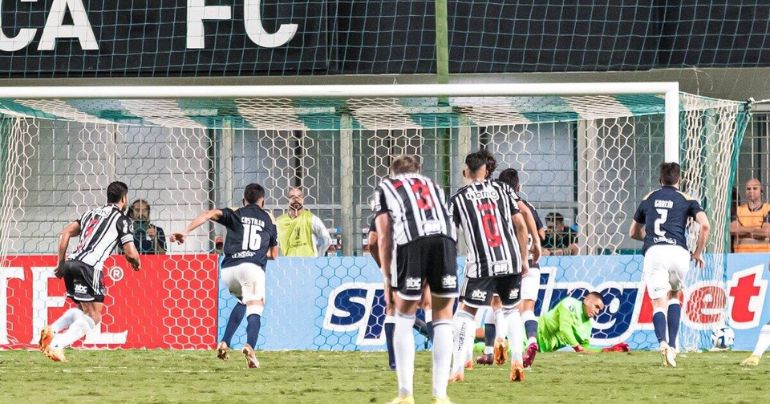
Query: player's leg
x=407 y=284
x=65 y=321
x=763 y=342
x=679 y=265
x=85 y=287
x=476 y=294
x=390 y=325
x=530 y=284
x=441 y=274
x=656 y=279
x=486 y=357
x=501 y=331
x=427 y=307
x=236 y=314
x=509 y=290
x=252 y=279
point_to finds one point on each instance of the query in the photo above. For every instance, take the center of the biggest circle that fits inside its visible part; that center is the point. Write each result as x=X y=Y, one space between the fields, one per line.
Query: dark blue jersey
x=250 y=234
x=664 y=214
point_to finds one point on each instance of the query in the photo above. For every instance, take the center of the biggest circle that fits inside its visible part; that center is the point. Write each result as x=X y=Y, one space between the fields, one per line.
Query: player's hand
x=698 y=259
x=524 y=268
x=59 y=271
x=178 y=238
x=536 y=251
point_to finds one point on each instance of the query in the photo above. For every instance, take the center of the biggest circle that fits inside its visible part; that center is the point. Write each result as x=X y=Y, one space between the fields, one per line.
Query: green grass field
x=355 y=377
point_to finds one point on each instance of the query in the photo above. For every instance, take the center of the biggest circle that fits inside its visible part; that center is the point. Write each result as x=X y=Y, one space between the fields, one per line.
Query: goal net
x=586 y=159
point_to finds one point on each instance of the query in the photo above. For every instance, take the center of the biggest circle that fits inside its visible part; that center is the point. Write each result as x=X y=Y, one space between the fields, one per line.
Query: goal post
x=587 y=152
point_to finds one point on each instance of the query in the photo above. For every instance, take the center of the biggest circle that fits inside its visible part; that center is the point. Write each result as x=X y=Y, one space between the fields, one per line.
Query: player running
x=660 y=222
x=251 y=240
x=411 y=213
x=496 y=235
x=100 y=229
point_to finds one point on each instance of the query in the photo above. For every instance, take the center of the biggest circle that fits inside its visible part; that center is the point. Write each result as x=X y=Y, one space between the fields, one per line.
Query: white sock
x=763 y=341
x=76 y=331
x=501 y=327
x=403 y=347
x=464 y=327
x=516 y=333
x=67 y=319
x=442 y=356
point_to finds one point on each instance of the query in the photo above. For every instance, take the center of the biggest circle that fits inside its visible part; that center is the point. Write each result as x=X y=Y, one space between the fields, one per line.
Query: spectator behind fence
x=301 y=233
x=750 y=226
x=559 y=239
x=148 y=238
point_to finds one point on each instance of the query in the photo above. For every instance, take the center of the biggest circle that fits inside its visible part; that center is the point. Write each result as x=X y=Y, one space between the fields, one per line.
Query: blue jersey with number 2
x=250 y=234
x=664 y=214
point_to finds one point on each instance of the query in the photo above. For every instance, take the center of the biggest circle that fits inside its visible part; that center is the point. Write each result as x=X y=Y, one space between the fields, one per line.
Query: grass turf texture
x=356 y=377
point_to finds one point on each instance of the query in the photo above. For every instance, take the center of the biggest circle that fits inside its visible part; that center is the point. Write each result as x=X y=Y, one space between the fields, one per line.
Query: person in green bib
x=301 y=233
x=569 y=325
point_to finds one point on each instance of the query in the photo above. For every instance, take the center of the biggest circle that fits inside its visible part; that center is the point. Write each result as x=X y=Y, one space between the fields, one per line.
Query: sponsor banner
x=338 y=303
x=169 y=303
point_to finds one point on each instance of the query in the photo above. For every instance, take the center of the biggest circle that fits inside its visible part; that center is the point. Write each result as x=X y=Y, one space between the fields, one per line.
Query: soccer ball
x=723 y=338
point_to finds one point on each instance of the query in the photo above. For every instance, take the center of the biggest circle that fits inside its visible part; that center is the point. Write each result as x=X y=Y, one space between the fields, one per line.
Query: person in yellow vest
x=301 y=233
x=751 y=225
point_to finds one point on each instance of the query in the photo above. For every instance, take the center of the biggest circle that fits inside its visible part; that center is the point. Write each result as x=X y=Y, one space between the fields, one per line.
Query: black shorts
x=432 y=259
x=478 y=292
x=84 y=283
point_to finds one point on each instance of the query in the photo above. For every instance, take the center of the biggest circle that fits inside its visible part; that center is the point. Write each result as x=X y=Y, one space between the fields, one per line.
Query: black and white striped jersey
x=100 y=230
x=484 y=210
x=417 y=208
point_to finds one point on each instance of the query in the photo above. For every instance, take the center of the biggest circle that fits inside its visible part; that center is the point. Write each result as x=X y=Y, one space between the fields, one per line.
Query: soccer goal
x=587 y=151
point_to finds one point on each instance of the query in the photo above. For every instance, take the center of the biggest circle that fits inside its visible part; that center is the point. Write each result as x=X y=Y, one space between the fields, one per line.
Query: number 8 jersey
x=417 y=208
x=250 y=234
x=484 y=210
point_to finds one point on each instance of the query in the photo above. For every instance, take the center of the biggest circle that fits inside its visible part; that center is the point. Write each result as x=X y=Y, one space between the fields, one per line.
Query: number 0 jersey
x=417 y=208
x=664 y=214
x=484 y=210
x=250 y=234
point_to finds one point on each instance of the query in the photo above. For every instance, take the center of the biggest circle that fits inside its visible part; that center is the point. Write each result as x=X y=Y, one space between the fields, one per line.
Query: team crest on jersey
x=413 y=283
x=449 y=281
x=479 y=294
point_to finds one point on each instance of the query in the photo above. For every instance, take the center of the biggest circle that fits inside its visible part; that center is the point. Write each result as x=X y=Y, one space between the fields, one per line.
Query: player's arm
x=324 y=239
x=521 y=235
x=385 y=243
x=213 y=214
x=636 y=231
x=703 y=236
x=531 y=227
x=374 y=246
x=272 y=246
x=72 y=229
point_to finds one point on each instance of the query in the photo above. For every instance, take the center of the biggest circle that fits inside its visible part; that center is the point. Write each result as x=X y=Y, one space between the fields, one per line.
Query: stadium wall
x=337 y=303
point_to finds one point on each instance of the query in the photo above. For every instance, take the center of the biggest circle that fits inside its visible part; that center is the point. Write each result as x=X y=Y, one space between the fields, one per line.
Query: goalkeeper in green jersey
x=569 y=325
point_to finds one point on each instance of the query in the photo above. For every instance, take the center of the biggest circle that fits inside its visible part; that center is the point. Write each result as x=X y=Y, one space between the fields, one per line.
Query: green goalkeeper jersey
x=566 y=325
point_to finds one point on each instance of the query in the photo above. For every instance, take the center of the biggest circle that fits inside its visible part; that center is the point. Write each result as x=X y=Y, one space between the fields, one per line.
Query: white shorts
x=245 y=281
x=530 y=284
x=665 y=267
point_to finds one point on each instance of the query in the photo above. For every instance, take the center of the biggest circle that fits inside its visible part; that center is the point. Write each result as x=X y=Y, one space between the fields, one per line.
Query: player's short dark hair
x=475 y=161
x=596 y=295
x=253 y=192
x=670 y=173
x=405 y=163
x=511 y=177
x=491 y=162
x=116 y=191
